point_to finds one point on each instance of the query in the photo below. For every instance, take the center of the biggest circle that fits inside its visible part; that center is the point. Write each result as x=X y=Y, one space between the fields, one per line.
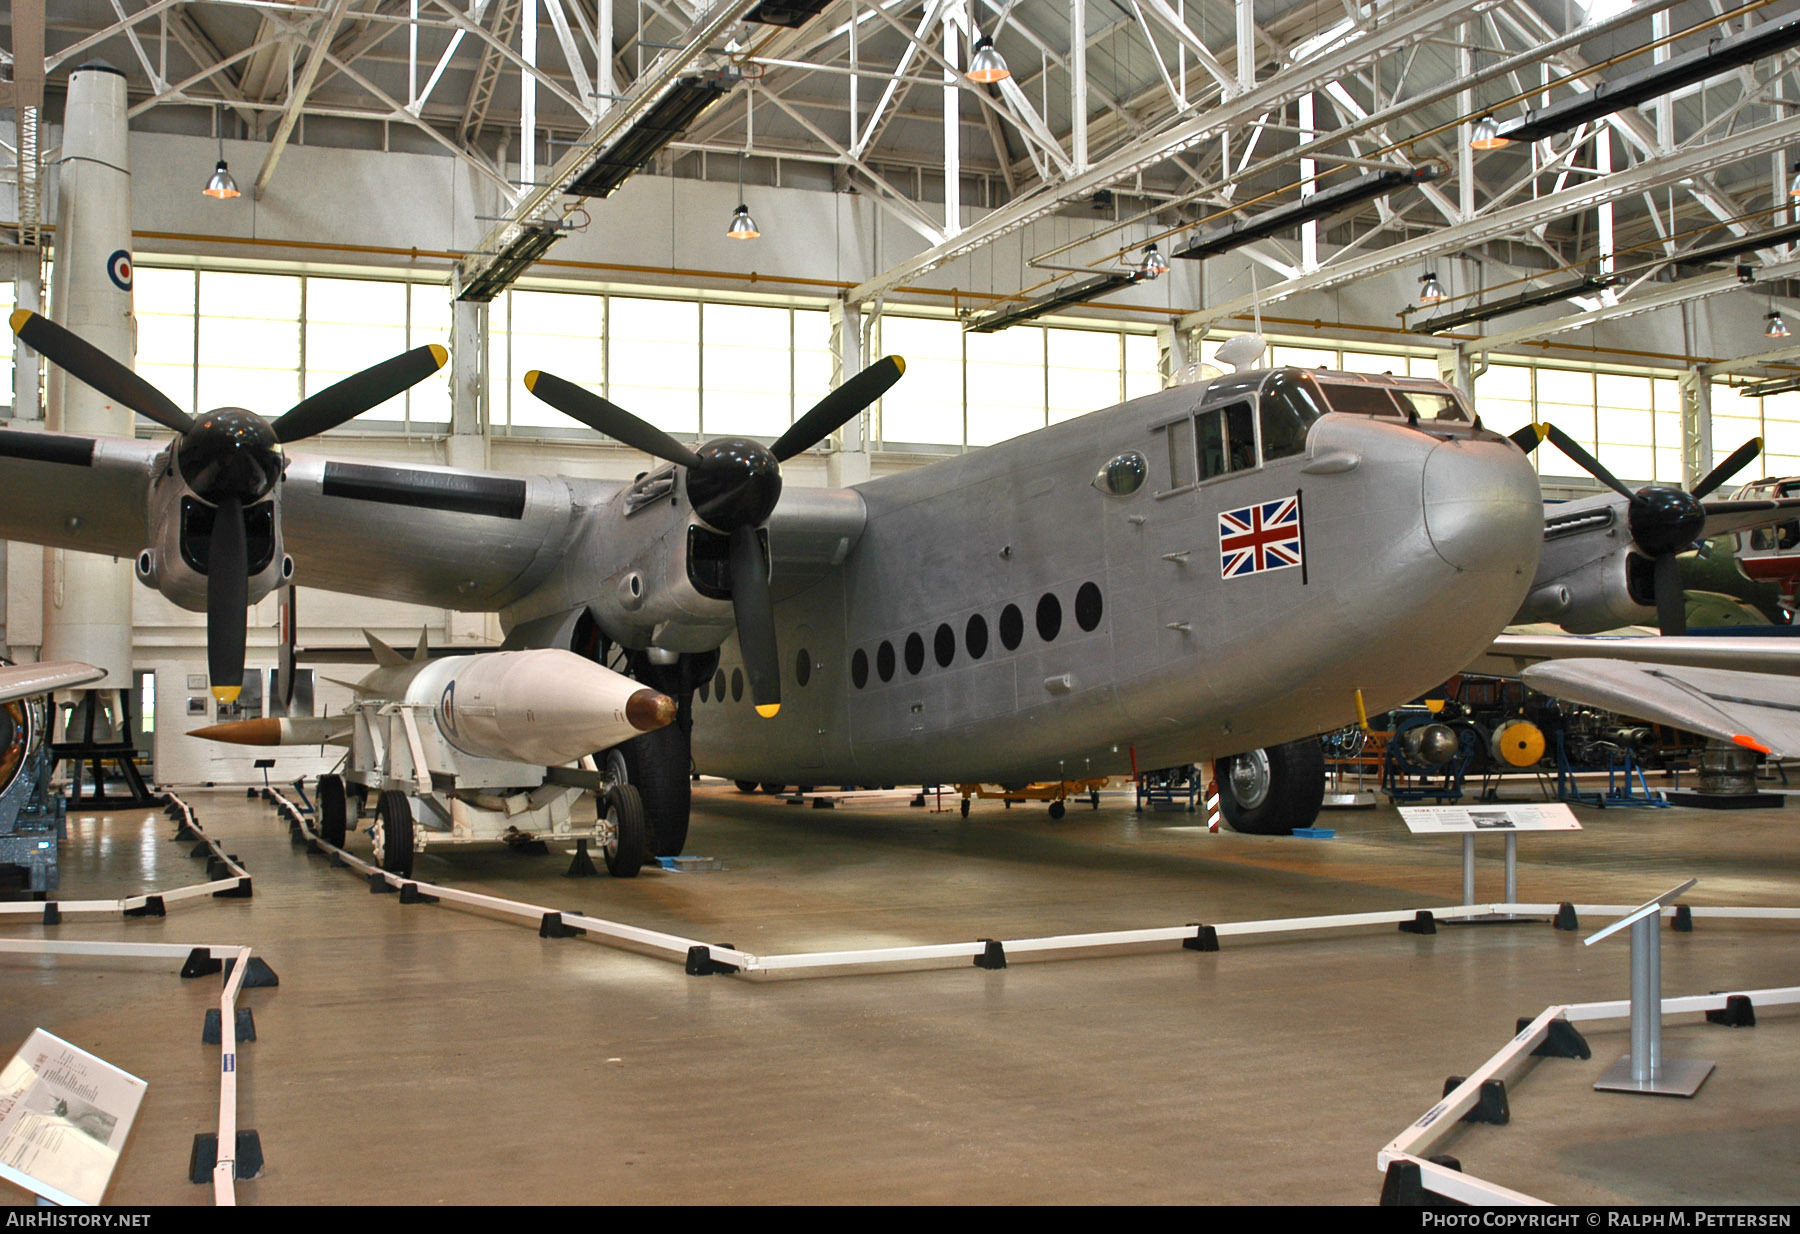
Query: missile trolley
x=508 y=747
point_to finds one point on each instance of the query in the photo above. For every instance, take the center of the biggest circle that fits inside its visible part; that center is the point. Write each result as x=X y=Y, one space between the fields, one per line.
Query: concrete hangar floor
x=431 y=1054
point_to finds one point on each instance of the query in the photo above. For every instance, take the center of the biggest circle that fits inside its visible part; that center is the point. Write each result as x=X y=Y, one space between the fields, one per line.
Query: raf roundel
x=118 y=269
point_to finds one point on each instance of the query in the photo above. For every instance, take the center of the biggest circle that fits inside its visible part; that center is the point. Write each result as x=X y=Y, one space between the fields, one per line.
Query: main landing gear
x=1270 y=792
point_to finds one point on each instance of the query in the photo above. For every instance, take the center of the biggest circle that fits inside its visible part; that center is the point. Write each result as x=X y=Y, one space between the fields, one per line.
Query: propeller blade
x=755 y=614
x=607 y=417
x=1671 y=600
x=340 y=403
x=86 y=362
x=836 y=408
x=227 y=596
x=1527 y=438
x=1569 y=446
x=1729 y=468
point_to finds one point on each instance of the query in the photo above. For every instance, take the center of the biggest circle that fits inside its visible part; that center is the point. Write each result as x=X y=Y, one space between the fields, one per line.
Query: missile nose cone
x=649 y=709
x=265 y=732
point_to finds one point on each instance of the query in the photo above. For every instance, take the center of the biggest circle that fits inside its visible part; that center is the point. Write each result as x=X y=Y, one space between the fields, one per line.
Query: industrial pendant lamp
x=221 y=186
x=1154 y=265
x=986 y=66
x=1487 y=135
x=1430 y=290
x=1794 y=184
x=1777 y=327
x=742 y=227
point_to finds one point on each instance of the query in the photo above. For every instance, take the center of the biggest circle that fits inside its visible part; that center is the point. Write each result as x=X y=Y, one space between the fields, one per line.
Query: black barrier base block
x=184 y=833
x=1490 y=1108
x=202 y=849
x=993 y=955
x=247 y=1164
x=1205 y=938
x=243 y=1023
x=338 y=863
x=1738 y=1012
x=258 y=974
x=200 y=963
x=52 y=914
x=701 y=964
x=1422 y=923
x=1683 y=920
x=410 y=894
x=552 y=926
x=239 y=892
x=151 y=907
x=1566 y=918
x=1564 y=1040
x=379 y=885
x=823 y=803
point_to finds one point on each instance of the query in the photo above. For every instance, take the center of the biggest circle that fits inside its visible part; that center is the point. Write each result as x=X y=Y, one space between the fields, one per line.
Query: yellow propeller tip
x=19 y=318
x=440 y=353
x=767 y=710
x=227 y=694
x=531 y=378
x=899 y=363
x=1542 y=430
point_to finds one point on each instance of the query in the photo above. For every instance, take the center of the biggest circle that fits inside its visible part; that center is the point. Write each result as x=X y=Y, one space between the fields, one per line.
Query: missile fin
x=386 y=656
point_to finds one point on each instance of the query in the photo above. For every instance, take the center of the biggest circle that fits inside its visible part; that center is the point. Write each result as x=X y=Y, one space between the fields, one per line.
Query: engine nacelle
x=183 y=524
x=674 y=590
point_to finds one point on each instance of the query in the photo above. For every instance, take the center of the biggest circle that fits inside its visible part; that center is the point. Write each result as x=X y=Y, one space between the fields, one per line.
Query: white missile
x=543 y=708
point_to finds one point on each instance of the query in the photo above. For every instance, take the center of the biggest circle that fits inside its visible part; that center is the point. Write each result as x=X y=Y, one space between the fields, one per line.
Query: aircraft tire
x=333 y=810
x=773 y=789
x=656 y=764
x=394 y=833
x=746 y=786
x=631 y=838
x=1279 y=789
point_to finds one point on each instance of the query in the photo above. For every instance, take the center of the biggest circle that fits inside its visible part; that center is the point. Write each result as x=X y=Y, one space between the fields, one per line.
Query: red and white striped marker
x=1212 y=805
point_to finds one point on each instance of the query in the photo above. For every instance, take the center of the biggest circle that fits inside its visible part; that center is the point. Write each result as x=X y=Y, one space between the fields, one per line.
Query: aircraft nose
x=1483 y=510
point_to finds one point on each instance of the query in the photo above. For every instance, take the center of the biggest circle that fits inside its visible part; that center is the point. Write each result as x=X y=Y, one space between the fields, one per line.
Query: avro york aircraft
x=1216 y=568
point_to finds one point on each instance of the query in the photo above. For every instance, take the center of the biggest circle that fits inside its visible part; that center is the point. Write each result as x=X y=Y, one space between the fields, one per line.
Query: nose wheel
x=627 y=840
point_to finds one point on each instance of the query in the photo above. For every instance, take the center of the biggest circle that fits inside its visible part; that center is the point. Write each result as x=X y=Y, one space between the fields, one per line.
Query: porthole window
x=737 y=685
x=915 y=653
x=1123 y=474
x=706 y=690
x=803 y=667
x=975 y=636
x=1049 y=617
x=719 y=685
x=884 y=661
x=1012 y=627
x=859 y=668
x=1088 y=606
x=943 y=645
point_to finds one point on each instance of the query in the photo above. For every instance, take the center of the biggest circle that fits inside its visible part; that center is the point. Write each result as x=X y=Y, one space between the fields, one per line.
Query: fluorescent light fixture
x=1512 y=304
x=1320 y=205
x=656 y=128
x=1739 y=246
x=1070 y=293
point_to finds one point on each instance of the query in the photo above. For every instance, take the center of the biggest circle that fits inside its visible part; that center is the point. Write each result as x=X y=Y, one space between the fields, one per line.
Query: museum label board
x=1512 y=816
x=64 y=1116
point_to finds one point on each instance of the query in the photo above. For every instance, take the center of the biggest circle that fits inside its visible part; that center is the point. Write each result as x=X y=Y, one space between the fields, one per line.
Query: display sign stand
x=1645 y=1070
x=64 y=1117
x=1473 y=820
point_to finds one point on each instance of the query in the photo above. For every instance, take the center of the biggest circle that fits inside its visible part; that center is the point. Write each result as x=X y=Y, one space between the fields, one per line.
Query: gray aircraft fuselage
x=1417 y=543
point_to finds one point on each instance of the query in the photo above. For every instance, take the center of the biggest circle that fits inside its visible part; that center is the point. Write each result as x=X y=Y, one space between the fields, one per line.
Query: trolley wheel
x=393 y=833
x=745 y=786
x=1094 y=798
x=1057 y=810
x=333 y=810
x=965 y=807
x=629 y=840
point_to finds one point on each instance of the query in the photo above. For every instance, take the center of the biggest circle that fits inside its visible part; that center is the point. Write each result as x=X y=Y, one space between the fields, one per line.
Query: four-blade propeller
x=1664 y=521
x=733 y=484
x=228 y=457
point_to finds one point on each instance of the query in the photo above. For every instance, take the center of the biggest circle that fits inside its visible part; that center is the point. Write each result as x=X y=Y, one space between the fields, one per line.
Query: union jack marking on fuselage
x=1265 y=536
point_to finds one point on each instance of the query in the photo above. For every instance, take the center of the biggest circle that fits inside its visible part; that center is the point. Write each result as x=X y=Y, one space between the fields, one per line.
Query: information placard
x=64 y=1116
x=1504 y=817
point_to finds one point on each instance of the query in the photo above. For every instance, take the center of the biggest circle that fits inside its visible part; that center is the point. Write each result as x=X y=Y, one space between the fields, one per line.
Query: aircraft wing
x=440 y=536
x=1511 y=654
x=67 y=491
x=24 y=680
x=1752 y=709
x=1726 y=516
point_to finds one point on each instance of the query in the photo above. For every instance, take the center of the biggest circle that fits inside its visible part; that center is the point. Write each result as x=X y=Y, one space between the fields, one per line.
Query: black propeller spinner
x=230 y=458
x=1664 y=521
x=733 y=484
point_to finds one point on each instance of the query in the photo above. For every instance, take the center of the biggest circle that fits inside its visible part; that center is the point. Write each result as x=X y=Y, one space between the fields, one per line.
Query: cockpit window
x=1359 y=399
x=1432 y=405
x=1123 y=474
x=1289 y=406
x=1227 y=440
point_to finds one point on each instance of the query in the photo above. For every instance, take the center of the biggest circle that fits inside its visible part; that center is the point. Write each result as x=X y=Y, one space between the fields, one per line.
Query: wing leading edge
x=1751 y=709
